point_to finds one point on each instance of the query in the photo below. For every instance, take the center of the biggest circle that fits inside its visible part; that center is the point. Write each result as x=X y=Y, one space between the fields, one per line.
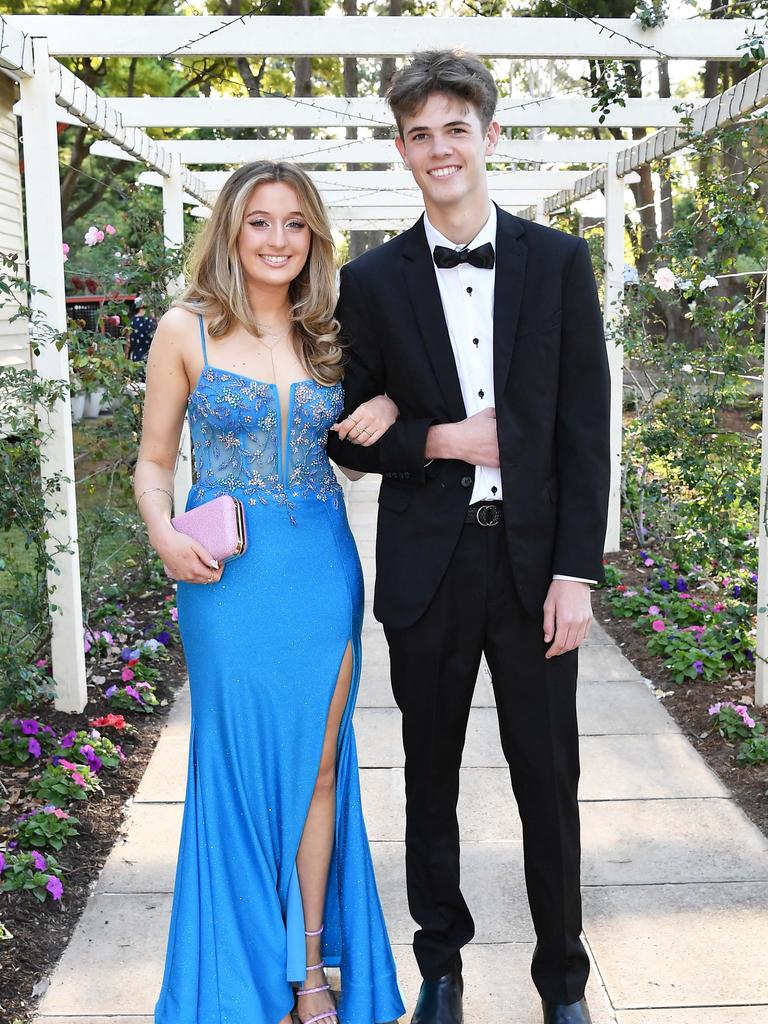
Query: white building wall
x=14 y=339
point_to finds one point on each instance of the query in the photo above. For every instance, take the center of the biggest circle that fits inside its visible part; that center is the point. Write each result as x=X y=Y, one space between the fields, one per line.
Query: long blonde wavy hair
x=216 y=284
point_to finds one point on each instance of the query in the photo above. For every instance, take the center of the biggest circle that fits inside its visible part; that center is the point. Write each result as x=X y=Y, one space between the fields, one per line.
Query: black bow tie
x=483 y=256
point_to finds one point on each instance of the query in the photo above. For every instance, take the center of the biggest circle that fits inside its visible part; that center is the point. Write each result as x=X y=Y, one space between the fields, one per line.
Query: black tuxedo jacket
x=551 y=384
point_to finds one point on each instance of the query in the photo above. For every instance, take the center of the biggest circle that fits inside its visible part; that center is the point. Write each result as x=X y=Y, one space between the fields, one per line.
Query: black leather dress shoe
x=439 y=1001
x=562 y=1013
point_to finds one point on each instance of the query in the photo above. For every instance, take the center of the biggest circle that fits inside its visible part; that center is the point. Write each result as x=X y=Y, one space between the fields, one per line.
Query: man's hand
x=473 y=440
x=567 y=615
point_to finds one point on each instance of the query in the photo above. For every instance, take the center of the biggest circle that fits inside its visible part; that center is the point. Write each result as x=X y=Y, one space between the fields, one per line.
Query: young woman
x=274 y=879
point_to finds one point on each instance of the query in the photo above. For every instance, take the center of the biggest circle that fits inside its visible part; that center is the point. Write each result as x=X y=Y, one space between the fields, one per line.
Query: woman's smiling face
x=275 y=238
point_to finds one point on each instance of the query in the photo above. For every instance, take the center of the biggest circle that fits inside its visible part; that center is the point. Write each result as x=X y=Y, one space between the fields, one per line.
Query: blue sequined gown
x=263 y=648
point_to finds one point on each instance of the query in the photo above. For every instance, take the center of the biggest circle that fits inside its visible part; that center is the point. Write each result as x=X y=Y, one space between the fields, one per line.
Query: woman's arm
x=165 y=405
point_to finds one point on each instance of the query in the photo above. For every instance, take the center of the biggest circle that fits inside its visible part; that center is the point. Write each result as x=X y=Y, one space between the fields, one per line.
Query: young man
x=486 y=331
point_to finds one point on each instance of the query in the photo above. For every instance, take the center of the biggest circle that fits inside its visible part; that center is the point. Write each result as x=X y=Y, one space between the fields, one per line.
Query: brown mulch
x=41 y=931
x=688 y=702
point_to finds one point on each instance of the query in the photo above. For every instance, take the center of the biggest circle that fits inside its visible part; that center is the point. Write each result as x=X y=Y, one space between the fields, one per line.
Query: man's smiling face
x=445 y=146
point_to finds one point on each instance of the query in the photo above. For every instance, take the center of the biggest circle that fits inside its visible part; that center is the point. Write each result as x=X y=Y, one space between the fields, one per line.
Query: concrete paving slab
x=605 y=662
x=491 y=880
x=113 y=960
x=376 y=688
x=597 y=635
x=620 y=707
x=487 y=810
x=177 y=722
x=497 y=985
x=145 y=860
x=680 y=945
x=379 y=743
x=165 y=777
x=643 y=768
x=699 y=1015
x=645 y=841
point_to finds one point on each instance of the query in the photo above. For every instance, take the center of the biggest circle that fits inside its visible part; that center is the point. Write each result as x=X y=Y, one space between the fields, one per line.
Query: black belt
x=485 y=513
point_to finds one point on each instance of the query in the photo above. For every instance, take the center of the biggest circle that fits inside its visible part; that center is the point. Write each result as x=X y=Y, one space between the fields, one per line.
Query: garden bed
x=41 y=930
x=688 y=702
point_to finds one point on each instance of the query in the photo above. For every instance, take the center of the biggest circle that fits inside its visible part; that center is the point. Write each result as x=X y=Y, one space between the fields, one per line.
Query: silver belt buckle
x=488 y=515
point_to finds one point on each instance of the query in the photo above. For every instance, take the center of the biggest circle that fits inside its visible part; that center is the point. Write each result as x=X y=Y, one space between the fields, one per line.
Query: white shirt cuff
x=576 y=579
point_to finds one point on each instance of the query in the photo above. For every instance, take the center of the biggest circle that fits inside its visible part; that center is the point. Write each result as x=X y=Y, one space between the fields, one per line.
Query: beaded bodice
x=237 y=440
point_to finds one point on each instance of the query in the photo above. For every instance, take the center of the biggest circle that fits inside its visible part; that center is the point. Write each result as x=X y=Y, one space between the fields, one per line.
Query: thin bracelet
x=154 y=489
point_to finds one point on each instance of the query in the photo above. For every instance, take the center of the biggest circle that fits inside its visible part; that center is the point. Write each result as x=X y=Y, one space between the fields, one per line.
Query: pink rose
x=658 y=626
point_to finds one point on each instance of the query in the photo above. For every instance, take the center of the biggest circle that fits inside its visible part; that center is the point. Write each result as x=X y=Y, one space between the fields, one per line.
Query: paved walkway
x=675 y=878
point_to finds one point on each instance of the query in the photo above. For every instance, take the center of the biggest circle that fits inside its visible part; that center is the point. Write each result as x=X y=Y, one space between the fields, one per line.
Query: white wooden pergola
x=29 y=46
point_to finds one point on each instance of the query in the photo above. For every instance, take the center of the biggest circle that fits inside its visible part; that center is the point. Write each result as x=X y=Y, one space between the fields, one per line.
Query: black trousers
x=434 y=666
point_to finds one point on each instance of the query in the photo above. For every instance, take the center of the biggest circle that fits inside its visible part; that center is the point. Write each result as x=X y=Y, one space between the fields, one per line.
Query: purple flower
x=681 y=585
x=125 y=654
x=48 y=729
x=134 y=693
x=750 y=654
x=2 y=862
x=699 y=667
x=736 y=590
x=106 y=635
x=753 y=577
x=664 y=584
x=38 y=860
x=34 y=747
x=68 y=738
x=164 y=637
x=110 y=691
x=54 y=887
x=94 y=761
x=29 y=726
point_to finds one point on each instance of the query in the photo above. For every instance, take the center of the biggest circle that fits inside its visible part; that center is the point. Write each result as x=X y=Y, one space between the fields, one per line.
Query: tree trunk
x=665 y=190
x=302 y=71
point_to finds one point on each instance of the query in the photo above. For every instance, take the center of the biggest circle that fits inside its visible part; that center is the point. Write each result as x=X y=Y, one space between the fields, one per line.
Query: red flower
x=116 y=721
x=621 y=587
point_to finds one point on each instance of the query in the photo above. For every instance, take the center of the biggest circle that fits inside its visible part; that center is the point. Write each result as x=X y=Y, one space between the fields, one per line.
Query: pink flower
x=648 y=561
x=65 y=251
x=718 y=606
x=745 y=716
x=38 y=860
x=685 y=597
x=175 y=614
x=658 y=626
x=127 y=674
x=715 y=708
x=109 y=229
x=654 y=610
x=92 y=236
x=78 y=779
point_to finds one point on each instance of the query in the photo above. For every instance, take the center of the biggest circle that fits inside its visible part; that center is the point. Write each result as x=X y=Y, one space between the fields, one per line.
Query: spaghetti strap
x=202 y=339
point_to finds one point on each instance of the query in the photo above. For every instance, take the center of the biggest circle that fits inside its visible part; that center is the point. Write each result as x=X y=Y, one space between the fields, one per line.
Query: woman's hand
x=369 y=421
x=184 y=559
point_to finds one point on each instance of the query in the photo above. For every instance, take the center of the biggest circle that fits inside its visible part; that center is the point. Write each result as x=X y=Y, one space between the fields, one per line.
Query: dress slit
x=296 y=960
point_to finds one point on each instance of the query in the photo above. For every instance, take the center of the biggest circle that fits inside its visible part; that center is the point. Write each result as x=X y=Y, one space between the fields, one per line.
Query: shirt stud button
x=475 y=341
x=481 y=393
x=469 y=291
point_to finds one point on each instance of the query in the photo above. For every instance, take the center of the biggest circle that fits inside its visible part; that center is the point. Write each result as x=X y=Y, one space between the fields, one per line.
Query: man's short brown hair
x=450 y=71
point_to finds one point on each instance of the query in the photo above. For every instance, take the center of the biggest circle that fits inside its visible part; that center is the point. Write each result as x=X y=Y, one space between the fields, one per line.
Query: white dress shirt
x=466 y=293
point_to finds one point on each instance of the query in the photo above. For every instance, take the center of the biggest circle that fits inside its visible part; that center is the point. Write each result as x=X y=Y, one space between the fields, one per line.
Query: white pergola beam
x=333 y=183
x=372 y=111
x=520 y=38
x=46 y=272
x=363 y=151
x=92 y=109
x=736 y=102
x=15 y=51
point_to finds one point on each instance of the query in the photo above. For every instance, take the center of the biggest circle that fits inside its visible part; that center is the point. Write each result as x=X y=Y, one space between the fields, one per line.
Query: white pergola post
x=46 y=271
x=542 y=217
x=613 y=294
x=761 y=665
x=173 y=231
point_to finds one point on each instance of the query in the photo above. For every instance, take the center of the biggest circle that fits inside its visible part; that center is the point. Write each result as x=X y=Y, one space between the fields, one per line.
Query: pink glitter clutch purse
x=218 y=524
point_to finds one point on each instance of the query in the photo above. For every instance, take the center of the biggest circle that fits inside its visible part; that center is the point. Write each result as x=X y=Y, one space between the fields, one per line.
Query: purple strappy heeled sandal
x=319 y=988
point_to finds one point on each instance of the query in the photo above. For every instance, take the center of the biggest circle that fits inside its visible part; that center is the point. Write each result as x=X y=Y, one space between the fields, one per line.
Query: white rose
x=665 y=279
x=708 y=282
